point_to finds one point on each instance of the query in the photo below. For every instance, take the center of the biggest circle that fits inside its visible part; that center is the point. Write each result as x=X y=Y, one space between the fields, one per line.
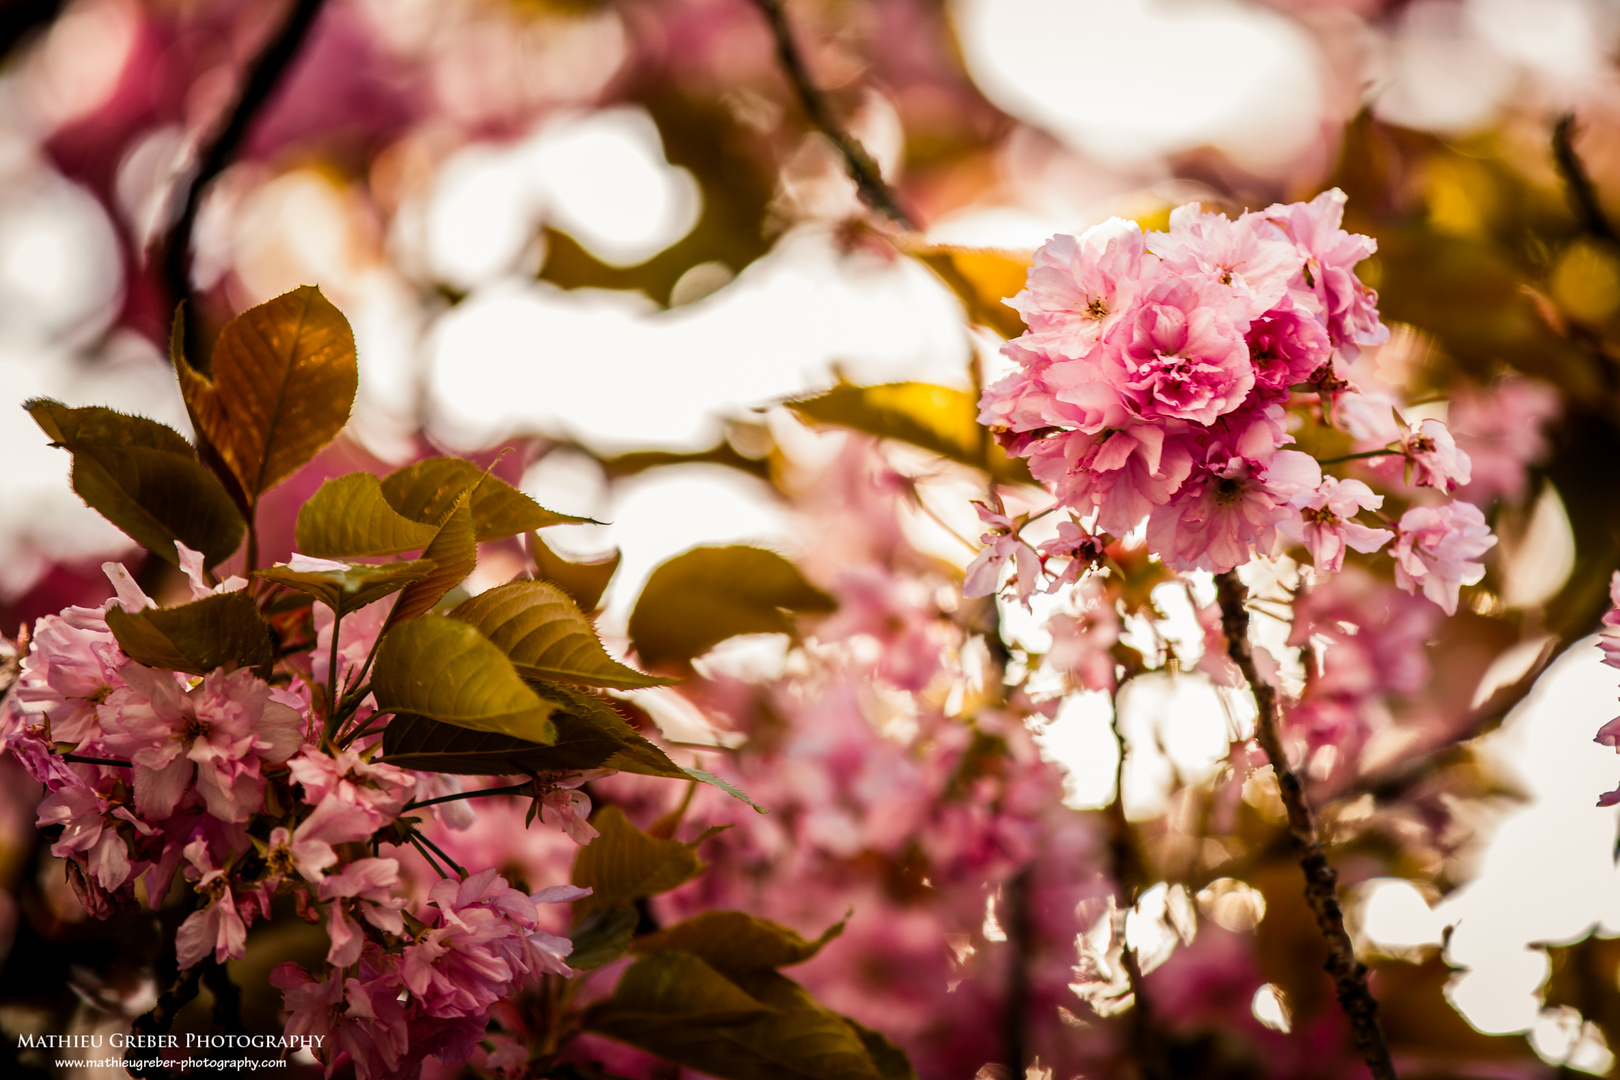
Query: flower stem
x=332 y=718
x=514 y=789
x=437 y=850
x=81 y=759
x=1321 y=880
x=1358 y=457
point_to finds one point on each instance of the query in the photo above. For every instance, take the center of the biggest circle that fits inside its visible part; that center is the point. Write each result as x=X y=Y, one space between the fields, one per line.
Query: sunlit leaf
x=220 y=630
x=757 y=1025
x=601 y=937
x=584 y=581
x=349 y=518
x=547 y=637
x=589 y=735
x=444 y=670
x=624 y=864
x=428 y=489
x=936 y=418
x=981 y=278
x=280 y=387
x=454 y=553
x=144 y=478
x=353 y=588
x=708 y=594
x=733 y=942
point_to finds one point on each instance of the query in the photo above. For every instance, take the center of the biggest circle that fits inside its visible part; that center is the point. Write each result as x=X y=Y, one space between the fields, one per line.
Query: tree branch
x=1583 y=195
x=1321 y=880
x=875 y=191
x=259 y=84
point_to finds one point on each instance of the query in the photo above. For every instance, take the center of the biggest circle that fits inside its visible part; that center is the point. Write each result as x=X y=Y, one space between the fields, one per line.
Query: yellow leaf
x=981 y=278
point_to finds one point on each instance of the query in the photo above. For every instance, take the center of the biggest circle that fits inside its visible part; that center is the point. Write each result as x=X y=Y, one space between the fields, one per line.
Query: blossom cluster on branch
x=1162 y=380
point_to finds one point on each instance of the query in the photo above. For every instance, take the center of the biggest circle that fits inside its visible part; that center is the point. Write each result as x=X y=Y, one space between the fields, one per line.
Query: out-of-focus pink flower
x=1433 y=457
x=1082 y=643
x=895 y=612
x=1327 y=525
x=1502 y=430
x=1435 y=549
x=89 y=829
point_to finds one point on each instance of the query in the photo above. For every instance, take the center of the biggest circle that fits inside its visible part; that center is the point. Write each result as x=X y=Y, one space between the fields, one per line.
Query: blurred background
x=589 y=229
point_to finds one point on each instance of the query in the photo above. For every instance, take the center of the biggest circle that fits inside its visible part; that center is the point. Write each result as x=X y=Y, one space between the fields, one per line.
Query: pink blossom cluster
x=227 y=780
x=1157 y=385
x=434 y=996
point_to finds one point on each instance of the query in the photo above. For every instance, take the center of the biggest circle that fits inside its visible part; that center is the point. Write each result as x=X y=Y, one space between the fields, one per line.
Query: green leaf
x=698 y=599
x=442 y=669
x=353 y=588
x=890 y=1060
x=734 y=943
x=454 y=553
x=602 y=937
x=730 y=789
x=144 y=478
x=537 y=625
x=224 y=629
x=349 y=517
x=757 y=1026
x=589 y=735
x=624 y=864
x=671 y=986
x=936 y=418
x=280 y=387
x=427 y=490
x=584 y=581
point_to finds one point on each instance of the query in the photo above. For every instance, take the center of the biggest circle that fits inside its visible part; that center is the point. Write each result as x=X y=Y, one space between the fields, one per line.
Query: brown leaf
x=281 y=385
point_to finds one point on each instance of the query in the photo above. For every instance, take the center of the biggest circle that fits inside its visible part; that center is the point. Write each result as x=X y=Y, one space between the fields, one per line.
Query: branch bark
x=259 y=84
x=875 y=191
x=1321 y=880
x=1583 y=195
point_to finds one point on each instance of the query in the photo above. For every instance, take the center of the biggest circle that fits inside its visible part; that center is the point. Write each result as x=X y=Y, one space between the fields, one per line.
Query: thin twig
x=437 y=850
x=1583 y=195
x=81 y=759
x=1321 y=880
x=875 y=191
x=514 y=789
x=259 y=84
x=1126 y=867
